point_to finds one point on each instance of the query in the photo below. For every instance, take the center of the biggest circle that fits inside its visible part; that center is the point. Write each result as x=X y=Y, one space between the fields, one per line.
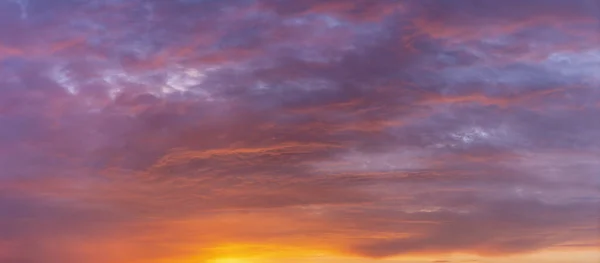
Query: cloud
x=158 y=131
x=499 y=228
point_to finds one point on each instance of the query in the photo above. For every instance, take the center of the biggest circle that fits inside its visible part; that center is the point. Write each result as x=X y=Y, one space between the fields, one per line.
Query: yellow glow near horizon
x=229 y=260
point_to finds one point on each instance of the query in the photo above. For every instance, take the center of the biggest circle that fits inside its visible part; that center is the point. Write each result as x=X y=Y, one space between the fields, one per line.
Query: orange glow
x=229 y=260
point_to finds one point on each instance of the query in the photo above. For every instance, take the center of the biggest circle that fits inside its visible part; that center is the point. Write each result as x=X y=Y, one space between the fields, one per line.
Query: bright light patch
x=229 y=260
x=113 y=78
x=183 y=80
x=61 y=76
x=187 y=80
x=470 y=135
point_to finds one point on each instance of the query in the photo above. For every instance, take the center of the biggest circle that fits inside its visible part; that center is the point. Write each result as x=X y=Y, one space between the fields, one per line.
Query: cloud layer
x=166 y=131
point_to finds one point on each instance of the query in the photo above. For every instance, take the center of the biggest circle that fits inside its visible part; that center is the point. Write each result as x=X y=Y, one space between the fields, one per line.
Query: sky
x=323 y=131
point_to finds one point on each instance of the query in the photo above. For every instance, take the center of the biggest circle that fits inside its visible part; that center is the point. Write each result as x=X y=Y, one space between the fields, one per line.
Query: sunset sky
x=292 y=131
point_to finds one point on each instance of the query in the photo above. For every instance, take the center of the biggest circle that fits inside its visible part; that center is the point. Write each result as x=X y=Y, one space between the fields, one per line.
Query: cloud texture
x=187 y=131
